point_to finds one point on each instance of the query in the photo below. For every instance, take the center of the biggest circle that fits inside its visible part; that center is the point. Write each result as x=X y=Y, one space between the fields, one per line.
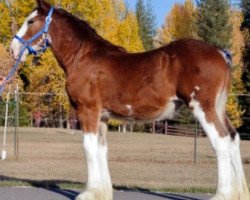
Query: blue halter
x=27 y=44
x=44 y=30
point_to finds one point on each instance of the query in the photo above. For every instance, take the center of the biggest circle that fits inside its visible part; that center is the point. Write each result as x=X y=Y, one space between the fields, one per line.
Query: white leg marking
x=90 y=144
x=99 y=185
x=221 y=147
x=239 y=184
x=220 y=105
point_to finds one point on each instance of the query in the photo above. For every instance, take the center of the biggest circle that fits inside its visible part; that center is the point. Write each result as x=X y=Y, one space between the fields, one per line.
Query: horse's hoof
x=96 y=194
x=218 y=197
x=85 y=196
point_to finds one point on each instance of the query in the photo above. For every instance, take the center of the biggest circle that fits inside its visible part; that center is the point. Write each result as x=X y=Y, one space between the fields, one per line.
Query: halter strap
x=27 y=44
x=44 y=30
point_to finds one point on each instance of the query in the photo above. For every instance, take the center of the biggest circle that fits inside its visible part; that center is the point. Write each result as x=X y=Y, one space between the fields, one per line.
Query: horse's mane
x=83 y=30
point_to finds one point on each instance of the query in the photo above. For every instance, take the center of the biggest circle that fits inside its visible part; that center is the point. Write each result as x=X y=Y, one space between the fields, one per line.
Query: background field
x=136 y=160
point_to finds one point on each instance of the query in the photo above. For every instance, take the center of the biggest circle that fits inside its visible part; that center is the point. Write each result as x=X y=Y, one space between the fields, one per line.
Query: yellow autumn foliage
x=5 y=24
x=5 y=67
x=234 y=109
x=179 y=23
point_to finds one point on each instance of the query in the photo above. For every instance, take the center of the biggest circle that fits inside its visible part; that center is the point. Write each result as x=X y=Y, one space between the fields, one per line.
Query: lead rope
x=12 y=71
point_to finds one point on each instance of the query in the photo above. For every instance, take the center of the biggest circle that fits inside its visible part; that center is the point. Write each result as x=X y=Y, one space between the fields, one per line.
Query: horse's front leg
x=99 y=185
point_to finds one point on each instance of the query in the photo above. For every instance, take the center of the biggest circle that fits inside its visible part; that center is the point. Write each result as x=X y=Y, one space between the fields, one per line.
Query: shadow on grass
x=61 y=187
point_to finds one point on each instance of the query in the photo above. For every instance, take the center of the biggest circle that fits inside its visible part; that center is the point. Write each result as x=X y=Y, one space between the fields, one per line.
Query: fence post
x=166 y=127
x=195 y=141
x=16 y=132
x=3 y=154
x=153 y=127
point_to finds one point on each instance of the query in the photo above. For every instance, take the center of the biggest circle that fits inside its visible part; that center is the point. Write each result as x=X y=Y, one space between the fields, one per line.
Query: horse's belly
x=145 y=112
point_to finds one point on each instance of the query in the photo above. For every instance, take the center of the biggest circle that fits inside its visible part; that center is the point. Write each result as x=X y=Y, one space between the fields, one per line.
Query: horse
x=105 y=81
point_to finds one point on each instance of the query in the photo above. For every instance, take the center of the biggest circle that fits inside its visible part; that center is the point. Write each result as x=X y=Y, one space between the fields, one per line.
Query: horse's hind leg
x=99 y=185
x=103 y=160
x=231 y=180
x=240 y=184
x=221 y=142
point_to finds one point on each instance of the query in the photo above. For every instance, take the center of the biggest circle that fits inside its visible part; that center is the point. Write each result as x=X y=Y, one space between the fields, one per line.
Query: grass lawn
x=159 y=162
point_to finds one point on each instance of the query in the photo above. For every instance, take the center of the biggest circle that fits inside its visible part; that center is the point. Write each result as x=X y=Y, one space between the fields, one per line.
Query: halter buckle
x=48 y=20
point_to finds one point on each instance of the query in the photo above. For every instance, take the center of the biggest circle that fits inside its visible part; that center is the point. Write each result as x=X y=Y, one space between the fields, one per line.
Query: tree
x=147 y=23
x=213 y=22
x=245 y=27
x=46 y=76
x=234 y=108
x=238 y=44
x=21 y=9
x=5 y=24
x=113 y=21
x=179 y=23
x=5 y=67
x=245 y=5
x=127 y=35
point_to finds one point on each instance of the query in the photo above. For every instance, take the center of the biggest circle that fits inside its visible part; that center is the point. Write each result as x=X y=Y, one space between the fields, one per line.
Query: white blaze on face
x=16 y=46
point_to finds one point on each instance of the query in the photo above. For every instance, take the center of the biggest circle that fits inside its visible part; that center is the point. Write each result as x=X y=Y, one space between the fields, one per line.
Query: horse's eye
x=31 y=21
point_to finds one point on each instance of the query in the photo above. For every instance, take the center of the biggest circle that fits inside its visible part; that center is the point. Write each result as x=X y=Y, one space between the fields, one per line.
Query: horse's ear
x=43 y=4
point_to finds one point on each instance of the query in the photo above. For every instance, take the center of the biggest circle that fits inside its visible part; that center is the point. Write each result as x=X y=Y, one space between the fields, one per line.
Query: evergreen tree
x=245 y=27
x=147 y=23
x=245 y=4
x=213 y=22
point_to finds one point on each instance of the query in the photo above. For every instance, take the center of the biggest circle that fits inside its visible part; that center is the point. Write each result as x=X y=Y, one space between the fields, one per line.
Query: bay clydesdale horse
x=105 y=81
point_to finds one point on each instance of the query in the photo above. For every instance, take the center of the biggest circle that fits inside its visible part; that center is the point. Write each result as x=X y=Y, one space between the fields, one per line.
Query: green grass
x=13 y=184
x=42 y=184
x=80 y=186
x=191 y=189
x=77 y=186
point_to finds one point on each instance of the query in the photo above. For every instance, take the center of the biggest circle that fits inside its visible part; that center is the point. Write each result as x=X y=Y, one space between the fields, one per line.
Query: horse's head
x=32 y=33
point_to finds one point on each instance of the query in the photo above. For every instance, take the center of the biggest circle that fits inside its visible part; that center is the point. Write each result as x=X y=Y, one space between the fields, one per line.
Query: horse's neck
x=64 y=49
x=67 y=48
